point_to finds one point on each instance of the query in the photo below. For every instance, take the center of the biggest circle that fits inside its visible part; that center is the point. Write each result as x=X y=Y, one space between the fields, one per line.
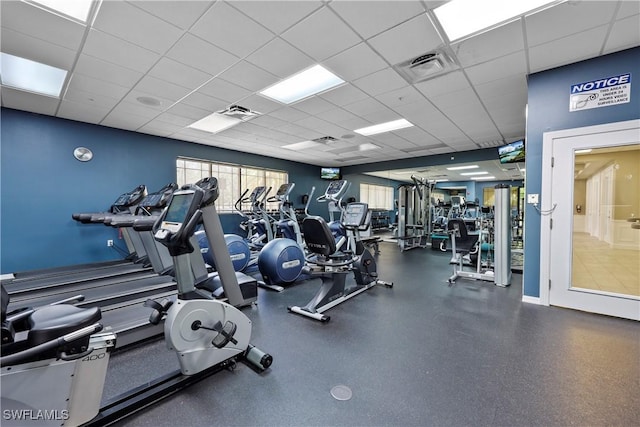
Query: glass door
x=594 y=248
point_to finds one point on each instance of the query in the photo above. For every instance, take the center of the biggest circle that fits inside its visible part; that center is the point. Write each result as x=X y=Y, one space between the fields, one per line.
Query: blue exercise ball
x=281 y=261
x=238 y=250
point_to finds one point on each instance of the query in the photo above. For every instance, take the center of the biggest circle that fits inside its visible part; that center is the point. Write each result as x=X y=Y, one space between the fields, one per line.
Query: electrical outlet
x=110 y=242
x=532 y=199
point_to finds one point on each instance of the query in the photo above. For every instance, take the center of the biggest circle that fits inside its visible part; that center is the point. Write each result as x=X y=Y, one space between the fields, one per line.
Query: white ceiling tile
x=321 y=35
x=205 y=102
x=490 y=45
x=628 y=9
x=124 y=119
x=509 y=65
x=173 y=119
x=36 y=22
x=179 y=74
x=567 y=18
x=418 y=136
x=80 y=111
x=225 y=90
x=313 y=105
x=129 y=105
x=181 y=13
x=408 y=40
x=355 y=62
x=625 y=33
x=421 y=113
x=153 y=130
x=107 y=71
x=369 y=18
x=337 y=115
x=98 y=87
x=249 y=76
x=280 y=58
x=381 y=116
x=343 y=95
x=117 y=51
x=225 y=27
x=161 y=89
x=380 y=82
x=122 y=20
x=24 y=46
x=321 y=126
x=277 y=15
x=268 y=122
x=366 y=106
x=451 y=82
x=567 y=50
x=398 y=97
x=91 y=100
x=260 y=103
x=464 y=98
x=302 y=133
x=197 y=53
x=28 y=101
x=391 y=139
x=499 y=88
x=288 y=114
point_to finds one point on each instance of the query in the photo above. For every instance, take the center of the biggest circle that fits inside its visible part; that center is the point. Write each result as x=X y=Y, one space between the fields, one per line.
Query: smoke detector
x=426 y=66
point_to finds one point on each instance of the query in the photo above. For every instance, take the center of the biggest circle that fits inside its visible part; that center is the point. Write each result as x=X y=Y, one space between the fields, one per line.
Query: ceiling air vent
x=325 y=140
x=426 y=66
x=238 y=112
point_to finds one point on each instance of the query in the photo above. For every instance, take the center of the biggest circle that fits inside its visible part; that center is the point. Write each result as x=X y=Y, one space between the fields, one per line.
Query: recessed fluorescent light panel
x=384 y=127
x=24 y=74
x=458 y=168
x=215 y=123
x=302 y=85
x=585 y=151
x=78 y=9
x=478 y=178
x=474 y=173
x=367 y=146
x=460 y=18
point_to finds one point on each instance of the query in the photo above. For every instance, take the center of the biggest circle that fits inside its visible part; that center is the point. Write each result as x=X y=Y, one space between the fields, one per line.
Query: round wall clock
x=83 y=154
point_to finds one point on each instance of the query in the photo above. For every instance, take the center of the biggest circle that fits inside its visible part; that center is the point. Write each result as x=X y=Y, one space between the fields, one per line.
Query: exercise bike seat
x=54 y=321
x=318 y=236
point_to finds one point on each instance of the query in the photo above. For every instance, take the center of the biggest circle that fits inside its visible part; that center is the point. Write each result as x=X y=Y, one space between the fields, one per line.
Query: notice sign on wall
x=600 y=93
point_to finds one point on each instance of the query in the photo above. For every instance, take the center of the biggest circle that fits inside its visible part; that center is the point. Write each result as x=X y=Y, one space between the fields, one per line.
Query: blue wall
x=42 y=184
x=549 y=111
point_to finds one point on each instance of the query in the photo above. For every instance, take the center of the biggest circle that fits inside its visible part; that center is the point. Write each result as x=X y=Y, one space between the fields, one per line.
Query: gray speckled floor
x=419 y=354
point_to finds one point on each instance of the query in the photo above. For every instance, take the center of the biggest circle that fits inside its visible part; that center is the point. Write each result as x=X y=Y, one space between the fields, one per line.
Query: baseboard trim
x=531 y=300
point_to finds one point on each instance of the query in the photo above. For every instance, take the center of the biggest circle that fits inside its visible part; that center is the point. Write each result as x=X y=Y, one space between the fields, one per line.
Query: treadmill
x=124 y=303
x=38 y=282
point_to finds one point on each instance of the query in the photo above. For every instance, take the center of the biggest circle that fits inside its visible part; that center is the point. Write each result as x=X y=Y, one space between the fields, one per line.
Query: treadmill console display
x=283 y=190
x=177 y=211
x=123 y=199
x=355 y=214
x=335 y=187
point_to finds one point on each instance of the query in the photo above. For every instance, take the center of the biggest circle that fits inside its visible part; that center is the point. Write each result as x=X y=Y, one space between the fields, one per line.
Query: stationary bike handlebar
x=20 y=356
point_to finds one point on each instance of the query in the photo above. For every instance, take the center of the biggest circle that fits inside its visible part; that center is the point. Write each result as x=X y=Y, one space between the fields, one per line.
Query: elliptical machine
x=56 y=358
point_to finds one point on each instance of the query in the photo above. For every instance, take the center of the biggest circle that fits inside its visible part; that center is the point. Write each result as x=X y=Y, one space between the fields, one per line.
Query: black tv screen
x=330 y=173
x=512 y=152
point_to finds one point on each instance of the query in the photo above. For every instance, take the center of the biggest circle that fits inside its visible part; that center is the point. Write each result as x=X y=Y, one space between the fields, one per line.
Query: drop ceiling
x=198 y=57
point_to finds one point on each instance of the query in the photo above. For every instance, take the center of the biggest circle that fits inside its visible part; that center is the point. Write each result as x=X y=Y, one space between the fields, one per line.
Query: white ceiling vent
x=426 y=66
x=326 y=140
x=238 y=112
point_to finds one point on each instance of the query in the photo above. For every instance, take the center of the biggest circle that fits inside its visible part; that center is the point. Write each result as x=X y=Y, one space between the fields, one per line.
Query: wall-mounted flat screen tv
x=330 y=173
x=512 y=152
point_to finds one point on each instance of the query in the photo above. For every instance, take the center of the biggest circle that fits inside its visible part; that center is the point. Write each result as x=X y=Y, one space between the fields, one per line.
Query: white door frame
x=546 y=200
